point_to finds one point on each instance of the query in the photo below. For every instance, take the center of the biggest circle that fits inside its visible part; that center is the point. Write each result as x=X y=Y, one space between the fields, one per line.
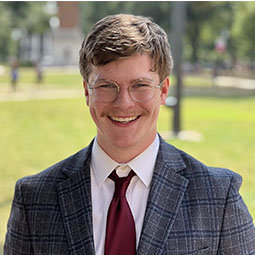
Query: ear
x=164 y=90
x=86 y=92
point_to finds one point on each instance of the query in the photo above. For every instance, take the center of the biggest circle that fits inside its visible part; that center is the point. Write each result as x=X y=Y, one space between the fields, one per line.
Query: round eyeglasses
x=108 y=91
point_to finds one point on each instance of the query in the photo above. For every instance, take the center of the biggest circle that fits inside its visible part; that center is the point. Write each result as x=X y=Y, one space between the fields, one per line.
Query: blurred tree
x=5 y=32
x=199 y=16
x=206 y=32
x=93 y=11
x=244 y=30
x=19 y=19
x=17 y=12
x=159 y=11
x=37 y=23
x=218 y=29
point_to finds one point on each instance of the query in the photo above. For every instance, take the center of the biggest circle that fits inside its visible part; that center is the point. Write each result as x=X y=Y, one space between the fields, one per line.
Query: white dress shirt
x=103 y=188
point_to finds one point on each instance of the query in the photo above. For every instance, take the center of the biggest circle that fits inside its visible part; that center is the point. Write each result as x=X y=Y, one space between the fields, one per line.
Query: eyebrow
x=143 y=79
x=111 y=81
x=103 y=80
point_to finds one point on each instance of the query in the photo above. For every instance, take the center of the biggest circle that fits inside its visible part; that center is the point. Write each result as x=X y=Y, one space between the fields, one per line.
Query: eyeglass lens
x=138 y=92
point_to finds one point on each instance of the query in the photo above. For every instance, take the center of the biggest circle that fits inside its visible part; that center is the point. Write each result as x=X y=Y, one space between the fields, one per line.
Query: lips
x=124 y=120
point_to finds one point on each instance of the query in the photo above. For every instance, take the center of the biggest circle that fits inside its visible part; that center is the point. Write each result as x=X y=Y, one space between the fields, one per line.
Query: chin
x=123 y=142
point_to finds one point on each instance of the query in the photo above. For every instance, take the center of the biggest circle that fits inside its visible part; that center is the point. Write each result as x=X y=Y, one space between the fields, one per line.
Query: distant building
x=67 y=38
x=60 y=46
x=34 y=47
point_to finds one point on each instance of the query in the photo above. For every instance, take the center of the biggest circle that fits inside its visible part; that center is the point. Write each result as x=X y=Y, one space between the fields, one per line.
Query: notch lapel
x=166 y=193
x=76 y=206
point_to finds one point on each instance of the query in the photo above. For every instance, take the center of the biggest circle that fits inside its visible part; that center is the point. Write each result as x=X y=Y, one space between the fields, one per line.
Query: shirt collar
x=102 y=165
x=143 y=165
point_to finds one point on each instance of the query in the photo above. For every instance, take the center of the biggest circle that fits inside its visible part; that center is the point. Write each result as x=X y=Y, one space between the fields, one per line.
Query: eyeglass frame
x=91 y=87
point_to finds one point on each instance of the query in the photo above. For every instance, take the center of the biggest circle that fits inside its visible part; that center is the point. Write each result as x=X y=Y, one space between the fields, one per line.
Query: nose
x=124 y=100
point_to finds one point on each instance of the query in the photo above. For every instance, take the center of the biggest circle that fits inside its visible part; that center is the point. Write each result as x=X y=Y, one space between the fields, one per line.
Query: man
x=129 y=192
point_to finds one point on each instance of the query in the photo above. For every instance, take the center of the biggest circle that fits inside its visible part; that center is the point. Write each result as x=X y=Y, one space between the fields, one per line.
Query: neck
x=125 y=154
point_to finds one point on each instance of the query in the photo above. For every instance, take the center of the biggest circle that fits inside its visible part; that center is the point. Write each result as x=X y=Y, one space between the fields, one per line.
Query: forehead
x=126 y=70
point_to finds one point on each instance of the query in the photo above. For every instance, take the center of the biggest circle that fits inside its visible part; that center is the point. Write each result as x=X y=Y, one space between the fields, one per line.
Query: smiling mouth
x=124 y=120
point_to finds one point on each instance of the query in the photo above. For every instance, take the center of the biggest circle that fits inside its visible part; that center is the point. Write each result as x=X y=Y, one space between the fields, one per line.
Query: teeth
x=124 y=120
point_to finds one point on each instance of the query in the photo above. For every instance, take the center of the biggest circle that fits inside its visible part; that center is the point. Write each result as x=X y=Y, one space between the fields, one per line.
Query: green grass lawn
x=37 y=133
x=52 y=78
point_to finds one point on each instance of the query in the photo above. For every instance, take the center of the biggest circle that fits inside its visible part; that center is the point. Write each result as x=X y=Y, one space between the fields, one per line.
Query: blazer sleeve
x=17 y=240
x=238 y=232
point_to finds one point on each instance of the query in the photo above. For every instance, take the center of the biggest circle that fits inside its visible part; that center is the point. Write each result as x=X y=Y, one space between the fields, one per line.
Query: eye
x=106 y=86
x=141 y=85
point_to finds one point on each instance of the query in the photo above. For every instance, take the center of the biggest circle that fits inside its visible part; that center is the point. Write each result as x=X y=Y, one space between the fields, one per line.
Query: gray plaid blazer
x=191 y=209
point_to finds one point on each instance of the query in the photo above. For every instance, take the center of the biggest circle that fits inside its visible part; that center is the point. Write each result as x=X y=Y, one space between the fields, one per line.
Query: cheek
x=97 y=111
x=157 y=107
x=93 y=114
x=153 y=108
x=156 y=112
x=93 y=110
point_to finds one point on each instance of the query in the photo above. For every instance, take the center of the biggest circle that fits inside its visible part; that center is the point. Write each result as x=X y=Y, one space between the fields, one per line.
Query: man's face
x=124 y=124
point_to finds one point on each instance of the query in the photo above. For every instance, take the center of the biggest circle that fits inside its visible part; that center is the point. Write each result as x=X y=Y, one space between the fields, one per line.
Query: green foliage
x=5 y=31
x=91 y=12
x=29 y=16
x=206 y=21
x=197 y=14
x=244 y=30
x=24 y=17
x=18 y=11
x=38 y=21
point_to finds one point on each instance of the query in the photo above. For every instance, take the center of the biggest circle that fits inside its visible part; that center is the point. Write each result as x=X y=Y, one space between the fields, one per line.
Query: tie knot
x=121 y=183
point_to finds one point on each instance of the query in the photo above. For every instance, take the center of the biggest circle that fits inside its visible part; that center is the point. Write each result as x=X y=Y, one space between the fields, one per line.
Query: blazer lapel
x=166 y=193
x=75 y=203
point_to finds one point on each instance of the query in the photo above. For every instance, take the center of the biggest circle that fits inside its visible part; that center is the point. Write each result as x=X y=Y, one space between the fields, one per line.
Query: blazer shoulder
x=204 y=182
x=196 y=166
x=219 y=181
x=194 y=169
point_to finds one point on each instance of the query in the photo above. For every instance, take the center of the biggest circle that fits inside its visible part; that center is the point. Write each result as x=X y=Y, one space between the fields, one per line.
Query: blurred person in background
x=129 y=192
x=14 y=73
x=39 y=72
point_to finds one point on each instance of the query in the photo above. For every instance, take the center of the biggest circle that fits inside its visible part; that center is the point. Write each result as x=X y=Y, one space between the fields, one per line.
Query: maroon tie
x=120 y=230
